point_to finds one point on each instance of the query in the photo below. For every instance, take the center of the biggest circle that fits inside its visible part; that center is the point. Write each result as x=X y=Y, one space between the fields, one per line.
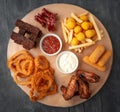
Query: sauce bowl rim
x=57 y=61
x=45 y=36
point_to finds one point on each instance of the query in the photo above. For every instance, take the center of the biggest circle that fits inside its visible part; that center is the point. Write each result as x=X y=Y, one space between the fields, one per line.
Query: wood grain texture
x=107 y=100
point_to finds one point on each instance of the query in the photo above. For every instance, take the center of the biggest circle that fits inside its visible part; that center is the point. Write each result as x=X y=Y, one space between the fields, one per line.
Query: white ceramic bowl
x=67 y=62
x=41 y=46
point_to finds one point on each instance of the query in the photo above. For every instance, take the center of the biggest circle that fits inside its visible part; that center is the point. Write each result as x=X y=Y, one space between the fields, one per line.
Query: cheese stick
x=104 y=58
x=96 y=54
x=86 y=60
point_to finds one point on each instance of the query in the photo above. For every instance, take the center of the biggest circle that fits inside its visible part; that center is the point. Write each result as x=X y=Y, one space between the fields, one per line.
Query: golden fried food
x=43 y=84
x=21 y=61
x=80 y=31
x=41 y=62
x=86 y=60
x=19 y=81
x=98 y=58
x=35 y=73
x=97 y=53
x=104 y=58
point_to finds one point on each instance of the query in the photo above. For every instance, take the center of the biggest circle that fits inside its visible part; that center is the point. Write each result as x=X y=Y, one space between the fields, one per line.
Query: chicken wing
x=88 y=76
x=83 y=89
x=69 y=91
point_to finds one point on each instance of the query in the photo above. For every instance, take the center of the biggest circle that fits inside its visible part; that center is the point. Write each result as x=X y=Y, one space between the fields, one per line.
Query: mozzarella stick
x=87 y=61
x=103 y=60
x=96 y=54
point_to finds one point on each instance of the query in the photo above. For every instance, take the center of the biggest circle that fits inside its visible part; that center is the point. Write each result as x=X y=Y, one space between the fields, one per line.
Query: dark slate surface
x=12 y=99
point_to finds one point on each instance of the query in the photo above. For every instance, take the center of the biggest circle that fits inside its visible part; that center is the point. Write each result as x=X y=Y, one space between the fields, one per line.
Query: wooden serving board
x=64 y=10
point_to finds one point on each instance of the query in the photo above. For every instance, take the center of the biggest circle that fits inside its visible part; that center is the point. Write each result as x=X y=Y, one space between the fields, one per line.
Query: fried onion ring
x=25 y=66
x=41 y=82
x=41 y=62
x=35 y=73
x=22 y=61
x=19 y=74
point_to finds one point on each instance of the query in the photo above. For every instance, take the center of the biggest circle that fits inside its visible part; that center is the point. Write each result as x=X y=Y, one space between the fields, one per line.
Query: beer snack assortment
x=47 y=41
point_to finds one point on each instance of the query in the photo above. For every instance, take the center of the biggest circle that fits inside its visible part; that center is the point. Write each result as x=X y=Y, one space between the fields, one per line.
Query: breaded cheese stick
x=103 y=60
x=96 y=54
x=86 y=60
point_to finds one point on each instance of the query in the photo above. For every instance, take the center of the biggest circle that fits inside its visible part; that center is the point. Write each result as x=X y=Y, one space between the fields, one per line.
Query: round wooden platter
x=64 y=10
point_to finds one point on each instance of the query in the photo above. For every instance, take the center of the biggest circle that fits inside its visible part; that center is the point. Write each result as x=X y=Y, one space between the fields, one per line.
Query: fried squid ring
x=41 y=63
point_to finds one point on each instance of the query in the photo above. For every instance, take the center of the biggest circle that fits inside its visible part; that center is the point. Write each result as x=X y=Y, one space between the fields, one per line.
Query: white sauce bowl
x=67 y=62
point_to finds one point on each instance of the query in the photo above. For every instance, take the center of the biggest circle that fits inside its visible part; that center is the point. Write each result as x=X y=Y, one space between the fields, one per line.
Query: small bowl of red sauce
x=50 y=44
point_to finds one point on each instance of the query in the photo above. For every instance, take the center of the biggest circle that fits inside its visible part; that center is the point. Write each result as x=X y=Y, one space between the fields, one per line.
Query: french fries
x=64 y=32
x=88 y=40
x=69 y=32
x=95 y=26
x=70 y=36
x=82 y=45
x=76 y=18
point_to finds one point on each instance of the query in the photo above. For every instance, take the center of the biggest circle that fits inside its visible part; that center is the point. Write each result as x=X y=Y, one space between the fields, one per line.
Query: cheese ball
x=84 y=17
x=90 y=33
x=71 y=24
x=74 y=41
x=80 y=36
x=85 y=25
x=70 y=19
x=77 y=29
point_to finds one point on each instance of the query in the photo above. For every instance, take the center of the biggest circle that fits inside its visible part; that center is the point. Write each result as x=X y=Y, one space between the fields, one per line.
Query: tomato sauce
x=51 y=44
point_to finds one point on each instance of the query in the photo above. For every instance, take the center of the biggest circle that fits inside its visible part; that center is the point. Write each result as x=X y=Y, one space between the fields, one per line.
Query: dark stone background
x=13 y=99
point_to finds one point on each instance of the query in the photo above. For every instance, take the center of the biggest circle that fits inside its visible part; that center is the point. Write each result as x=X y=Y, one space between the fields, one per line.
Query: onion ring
x=41 y=62
x=35 y=73
x=41 y=82
x=22 y=61
x=19 y=74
